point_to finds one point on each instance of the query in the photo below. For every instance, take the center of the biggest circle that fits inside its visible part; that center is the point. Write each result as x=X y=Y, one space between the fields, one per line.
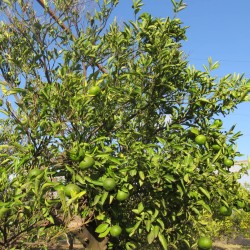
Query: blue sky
x=219 y=29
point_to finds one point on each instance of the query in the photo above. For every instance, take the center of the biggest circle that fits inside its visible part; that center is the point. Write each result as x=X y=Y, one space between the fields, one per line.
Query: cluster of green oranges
x=202 y=139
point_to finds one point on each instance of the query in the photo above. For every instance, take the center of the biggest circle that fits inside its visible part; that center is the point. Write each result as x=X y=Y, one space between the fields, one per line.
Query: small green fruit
x=71 y=190
x=115 y=231
x=109 y=184
x=95 y=90
x=218 y=123
x=204 y=243
x=87 y=163
x=121 y=195
x=200 y=139
x=228 y=162
x=225 y=211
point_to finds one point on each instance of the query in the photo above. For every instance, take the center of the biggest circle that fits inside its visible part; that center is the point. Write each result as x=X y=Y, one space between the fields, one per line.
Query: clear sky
x=217 y=28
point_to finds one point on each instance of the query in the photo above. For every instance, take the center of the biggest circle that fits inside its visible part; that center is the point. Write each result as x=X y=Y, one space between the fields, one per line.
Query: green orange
x=109 y=184
x=87 y=162
x=115 y=230
x=228 y=162
x=200 y=139
x=225 y=211
x=121 y=195
x=218 y=123
x=204 y=243
x=95 y=90
x=71 y=190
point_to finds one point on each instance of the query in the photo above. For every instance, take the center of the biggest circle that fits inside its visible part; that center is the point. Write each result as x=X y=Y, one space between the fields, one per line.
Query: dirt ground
x=234 y=244
x=216 y=246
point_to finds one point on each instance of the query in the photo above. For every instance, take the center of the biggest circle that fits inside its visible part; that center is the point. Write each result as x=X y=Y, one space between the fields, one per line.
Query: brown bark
x=76 y=228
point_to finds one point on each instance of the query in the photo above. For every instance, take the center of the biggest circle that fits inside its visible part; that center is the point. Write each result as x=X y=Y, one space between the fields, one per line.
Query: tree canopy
x=107 y=134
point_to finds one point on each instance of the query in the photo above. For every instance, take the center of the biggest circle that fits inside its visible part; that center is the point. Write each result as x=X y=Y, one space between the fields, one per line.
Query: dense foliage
x=107 y=134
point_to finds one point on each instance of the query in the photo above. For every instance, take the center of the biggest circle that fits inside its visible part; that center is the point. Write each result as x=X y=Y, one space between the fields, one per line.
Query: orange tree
x=106 y=133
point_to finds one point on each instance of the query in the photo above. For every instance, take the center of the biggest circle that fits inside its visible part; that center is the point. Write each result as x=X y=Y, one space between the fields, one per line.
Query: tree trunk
x=76 y=228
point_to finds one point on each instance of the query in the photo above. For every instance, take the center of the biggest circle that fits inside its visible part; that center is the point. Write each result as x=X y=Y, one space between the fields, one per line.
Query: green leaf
x=96 y=183
x=96 y=199
x=138 y=223
x=141 y=175
x=169 y=178
x=104 y=197
x=130 y=246
x=216 y=156
x=105 y=233
x=80 y=179
x=148 y=225
x=4 y=90
x=195 y=131
x=161 y=223
x=156 y=230
x=140 y=207
x=203 y=100
x=163 y=241
x=174 y=3
x=205 y=192
x=101 y=228
x=137 y=4
x=151 y=237
x=4 y=112
x=115 y=160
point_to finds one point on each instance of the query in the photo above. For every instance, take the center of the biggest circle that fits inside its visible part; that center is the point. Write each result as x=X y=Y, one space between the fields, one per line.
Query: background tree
x=107 y=134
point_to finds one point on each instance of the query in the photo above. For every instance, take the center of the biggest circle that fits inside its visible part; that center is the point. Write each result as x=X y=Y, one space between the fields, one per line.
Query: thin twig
x=63 y=26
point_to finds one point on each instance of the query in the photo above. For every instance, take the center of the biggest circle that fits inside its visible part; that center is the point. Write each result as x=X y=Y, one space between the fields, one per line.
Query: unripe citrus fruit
x=225 y=211
x=71 y=190
x=109 y=184
x=200 y=139
x=87 y=163
x=228 y=162
x=204 y=243
x=95 y=90
x=115 y=230
x=218 y=123
x=121 y=195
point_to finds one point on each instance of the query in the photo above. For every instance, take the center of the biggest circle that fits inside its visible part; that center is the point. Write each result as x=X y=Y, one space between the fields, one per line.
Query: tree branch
x=63 y=26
